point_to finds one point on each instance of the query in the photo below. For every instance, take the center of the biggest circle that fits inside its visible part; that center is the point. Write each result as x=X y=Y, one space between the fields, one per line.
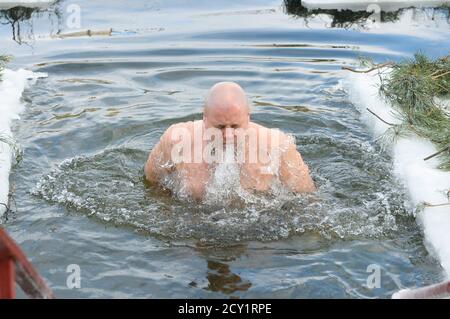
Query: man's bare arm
x=151 y=168
x=159 y=162
x=294 y=173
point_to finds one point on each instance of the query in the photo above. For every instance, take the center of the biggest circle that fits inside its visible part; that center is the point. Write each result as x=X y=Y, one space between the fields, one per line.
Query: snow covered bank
x=424 y=182
x=11 y=87
x=362 y=5
x=8 y=4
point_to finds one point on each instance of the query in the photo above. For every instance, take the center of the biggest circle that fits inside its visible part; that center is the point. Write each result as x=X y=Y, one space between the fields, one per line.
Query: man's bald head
x=228 y=96
x=226 y=108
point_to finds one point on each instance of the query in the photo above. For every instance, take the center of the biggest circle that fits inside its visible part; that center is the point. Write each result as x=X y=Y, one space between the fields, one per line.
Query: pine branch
x=437 y=153
x=377 y=116
x=375 y=67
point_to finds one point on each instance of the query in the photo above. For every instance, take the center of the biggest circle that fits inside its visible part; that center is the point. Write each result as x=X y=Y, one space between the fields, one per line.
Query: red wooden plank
x=26 y=276
x=7 y=287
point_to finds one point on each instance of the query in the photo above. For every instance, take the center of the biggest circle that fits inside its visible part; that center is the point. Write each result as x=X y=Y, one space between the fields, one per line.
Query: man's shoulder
x=274 y=134
x=177 y=131
x=183 y=126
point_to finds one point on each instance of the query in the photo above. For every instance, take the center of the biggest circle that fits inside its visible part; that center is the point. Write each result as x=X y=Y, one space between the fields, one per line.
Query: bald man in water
x=190 y=151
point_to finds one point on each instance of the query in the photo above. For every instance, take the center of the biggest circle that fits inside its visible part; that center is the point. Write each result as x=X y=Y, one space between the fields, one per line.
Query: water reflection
x=22 y=21
x=219 y=275
x=26 y=23
x=351 y=18
x=222 y=279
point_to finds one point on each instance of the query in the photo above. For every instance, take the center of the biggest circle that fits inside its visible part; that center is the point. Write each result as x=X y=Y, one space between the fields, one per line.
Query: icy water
x=79 y=190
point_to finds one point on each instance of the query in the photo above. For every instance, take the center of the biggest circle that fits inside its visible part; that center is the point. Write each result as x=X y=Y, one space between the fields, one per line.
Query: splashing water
x=225 y=180
x=111 y=187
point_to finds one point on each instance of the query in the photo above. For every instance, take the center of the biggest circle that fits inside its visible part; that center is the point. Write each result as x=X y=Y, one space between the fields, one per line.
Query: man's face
x=229 y=120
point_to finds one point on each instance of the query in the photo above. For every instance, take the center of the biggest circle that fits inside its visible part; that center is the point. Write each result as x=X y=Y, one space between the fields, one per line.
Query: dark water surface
x=90 y=124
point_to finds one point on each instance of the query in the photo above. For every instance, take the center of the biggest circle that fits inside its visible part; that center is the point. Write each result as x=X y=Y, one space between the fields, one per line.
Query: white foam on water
x=109 y=186
x=12 y=85
x=423 y=180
